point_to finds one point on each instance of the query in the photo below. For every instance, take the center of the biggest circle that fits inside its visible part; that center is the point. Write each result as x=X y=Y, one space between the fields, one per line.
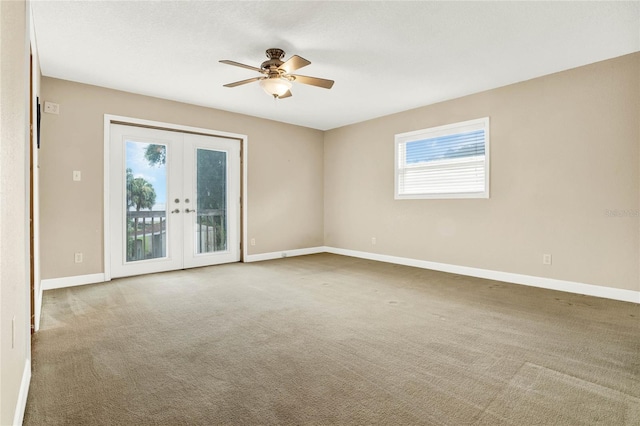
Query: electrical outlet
x=51 y=108
x=77 y=175
x=78 y=257
x=546 y=259
x=373 y=241
x=253 y=241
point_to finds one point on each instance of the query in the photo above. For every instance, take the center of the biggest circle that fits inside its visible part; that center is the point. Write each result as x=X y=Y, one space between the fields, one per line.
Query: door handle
x=189 y=211
x=175 y=211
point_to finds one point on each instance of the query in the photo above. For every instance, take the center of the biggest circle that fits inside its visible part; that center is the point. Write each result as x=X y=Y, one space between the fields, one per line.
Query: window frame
x=433 y=132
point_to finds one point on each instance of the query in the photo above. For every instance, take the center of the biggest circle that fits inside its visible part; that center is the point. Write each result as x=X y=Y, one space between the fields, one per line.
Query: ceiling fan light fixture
x=276 y=86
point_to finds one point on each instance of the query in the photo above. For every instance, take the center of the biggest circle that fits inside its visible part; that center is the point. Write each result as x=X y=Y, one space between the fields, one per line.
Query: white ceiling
x=385 y=57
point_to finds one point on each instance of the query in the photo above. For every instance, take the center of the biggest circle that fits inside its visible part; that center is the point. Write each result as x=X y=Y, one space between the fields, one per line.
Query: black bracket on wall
x=38 y=121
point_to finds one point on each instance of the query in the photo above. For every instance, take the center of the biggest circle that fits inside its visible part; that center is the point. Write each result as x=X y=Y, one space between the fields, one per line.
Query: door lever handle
x=175 y=211
x=189 y=211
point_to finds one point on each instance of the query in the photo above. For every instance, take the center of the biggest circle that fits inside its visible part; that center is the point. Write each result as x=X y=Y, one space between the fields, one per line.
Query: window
x=449 y=161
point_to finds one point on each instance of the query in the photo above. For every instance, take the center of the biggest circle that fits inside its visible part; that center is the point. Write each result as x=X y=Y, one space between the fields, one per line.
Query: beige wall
x=564 y=149
x=285 y=173
x=14 y=232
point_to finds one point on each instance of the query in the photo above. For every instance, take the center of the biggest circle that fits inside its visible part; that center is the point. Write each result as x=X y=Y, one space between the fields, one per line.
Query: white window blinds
x=444 y=162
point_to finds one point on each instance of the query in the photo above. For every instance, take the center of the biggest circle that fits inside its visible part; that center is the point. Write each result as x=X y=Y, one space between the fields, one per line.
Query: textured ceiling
x=385 y=57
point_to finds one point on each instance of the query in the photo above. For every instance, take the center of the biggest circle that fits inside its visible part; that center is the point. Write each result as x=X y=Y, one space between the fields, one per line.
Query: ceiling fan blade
x=286 y=95
x=238 y=64
x=241 y=82
x=314 y=81
x=294 y=63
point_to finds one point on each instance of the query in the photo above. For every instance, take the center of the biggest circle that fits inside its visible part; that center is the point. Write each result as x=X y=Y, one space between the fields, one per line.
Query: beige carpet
x=325 y=339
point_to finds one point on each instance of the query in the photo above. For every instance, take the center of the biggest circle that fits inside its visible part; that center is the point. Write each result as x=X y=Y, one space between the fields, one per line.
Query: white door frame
x=117 y=119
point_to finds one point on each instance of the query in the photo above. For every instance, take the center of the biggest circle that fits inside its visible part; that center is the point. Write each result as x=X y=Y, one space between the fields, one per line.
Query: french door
x=174 y=200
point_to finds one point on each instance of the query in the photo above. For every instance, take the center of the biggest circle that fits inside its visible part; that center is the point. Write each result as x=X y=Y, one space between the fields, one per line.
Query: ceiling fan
x=277 y=78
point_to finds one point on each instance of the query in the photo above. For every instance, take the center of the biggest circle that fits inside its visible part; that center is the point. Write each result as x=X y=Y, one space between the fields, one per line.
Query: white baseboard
x=529 y=280
x=284 y=253
x=549 y=283
x=54 y=283
x=21 y=404
x=37 y=307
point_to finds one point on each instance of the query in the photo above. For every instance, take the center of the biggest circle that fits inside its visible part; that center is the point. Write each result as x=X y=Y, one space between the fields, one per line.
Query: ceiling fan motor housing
x=275 y=60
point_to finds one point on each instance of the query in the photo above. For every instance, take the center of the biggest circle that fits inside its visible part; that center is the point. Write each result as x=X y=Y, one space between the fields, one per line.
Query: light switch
x=77 y=175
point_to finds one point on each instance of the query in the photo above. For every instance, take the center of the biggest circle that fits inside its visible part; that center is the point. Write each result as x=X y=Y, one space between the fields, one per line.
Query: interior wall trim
x=284 y=253
x=38 y=309
x=21 y=404
x=509 y=277
x=53 y=283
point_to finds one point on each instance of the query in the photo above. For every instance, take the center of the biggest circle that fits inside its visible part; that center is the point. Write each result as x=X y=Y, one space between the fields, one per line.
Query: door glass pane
x=146 y=182
x=211 y=223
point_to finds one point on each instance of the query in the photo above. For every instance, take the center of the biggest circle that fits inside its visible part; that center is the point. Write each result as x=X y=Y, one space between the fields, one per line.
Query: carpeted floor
x=326 y=339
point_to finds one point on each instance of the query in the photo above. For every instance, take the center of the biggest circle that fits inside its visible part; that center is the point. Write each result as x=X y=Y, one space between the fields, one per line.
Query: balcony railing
x=147 y=233
x=211 y=230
